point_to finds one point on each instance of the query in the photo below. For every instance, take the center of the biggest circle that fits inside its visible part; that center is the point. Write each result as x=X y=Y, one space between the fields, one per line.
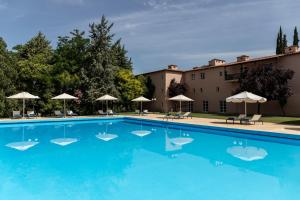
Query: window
x=223 y=107
x=221 y=73
x=193 y=76
x=205 y=106
x=202 y=75
x=162 y=76
x=218 y=89
x=201 y=90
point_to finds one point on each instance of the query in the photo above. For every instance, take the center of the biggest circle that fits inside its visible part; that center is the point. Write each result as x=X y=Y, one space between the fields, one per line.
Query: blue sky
x=160 y=32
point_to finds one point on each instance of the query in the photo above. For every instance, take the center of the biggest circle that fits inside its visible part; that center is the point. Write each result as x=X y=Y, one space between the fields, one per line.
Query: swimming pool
x=144 y=159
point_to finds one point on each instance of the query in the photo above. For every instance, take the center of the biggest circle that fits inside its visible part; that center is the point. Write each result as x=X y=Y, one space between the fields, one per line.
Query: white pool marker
x=21 y=146
x=64 y=141
x=106 y=136
x=248 y=153
x=141 y=133
x=169 y=146
x=181 y=140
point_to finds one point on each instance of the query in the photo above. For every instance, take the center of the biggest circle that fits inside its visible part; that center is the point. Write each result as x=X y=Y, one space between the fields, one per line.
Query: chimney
x=216 y=62
x=291 y=49
x=172 y=67
x=242 y=58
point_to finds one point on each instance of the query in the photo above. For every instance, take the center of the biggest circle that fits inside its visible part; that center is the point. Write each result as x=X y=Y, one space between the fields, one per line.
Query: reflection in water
x=169 y=146
x=247 y=153
x=64 y=141
x=22 y=145
x=105 y=136
x=182 y=139
x=141 y=132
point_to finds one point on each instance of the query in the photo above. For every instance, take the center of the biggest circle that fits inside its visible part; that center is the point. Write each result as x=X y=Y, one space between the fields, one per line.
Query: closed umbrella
x=107 y=98
x=23 y=96
x=141 y=99
x=246 y=97
x=180 y=98
x=64 y=97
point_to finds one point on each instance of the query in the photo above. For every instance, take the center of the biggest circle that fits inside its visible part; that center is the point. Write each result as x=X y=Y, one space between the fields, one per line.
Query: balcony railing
x=232 y=77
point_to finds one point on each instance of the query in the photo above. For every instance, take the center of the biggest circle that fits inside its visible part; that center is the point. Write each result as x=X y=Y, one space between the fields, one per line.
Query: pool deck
x=269 y=127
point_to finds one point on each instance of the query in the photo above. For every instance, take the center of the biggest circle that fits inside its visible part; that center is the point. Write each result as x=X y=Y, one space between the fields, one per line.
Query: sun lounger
x=254 y=119
x=100 y=112
x=58 y=113
x=31 y=114
x=71 y=113
x=111 y=112
x=169 y=116
x=16 y=115
x=185 y=115
x=137 y=112
x=233 y=119
x=145 y=112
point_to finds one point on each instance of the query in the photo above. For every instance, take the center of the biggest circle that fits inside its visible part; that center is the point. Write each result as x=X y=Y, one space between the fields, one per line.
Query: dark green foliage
x=269 y=82
x=149 y=88
x=281 y=42
x=296 y=37
x=85 y=66
x=176 y=88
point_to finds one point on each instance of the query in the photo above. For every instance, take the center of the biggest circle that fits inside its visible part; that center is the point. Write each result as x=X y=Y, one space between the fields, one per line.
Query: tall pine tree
x=296 y=37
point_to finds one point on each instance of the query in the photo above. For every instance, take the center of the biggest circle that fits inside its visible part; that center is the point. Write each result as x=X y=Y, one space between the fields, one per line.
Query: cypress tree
x=296 y=37
x=284 y=43
x=280 y=42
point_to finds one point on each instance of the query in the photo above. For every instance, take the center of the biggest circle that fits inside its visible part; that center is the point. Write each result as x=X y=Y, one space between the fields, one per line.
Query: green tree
x=34 y=69
x=130 y=86
x=70 y=59
x=268 y=82
x=176 y=88
x=281 y=42
x=296 y=37
x=8 y=76
x=99 y=75
x=284 y=43
x=120 y=56
x=149 y=87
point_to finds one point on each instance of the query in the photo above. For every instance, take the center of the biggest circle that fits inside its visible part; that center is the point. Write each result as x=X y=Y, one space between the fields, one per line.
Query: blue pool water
x=212 y=166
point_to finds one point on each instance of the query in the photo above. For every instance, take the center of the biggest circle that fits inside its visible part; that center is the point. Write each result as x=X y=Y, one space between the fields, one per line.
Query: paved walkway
x=271 y=127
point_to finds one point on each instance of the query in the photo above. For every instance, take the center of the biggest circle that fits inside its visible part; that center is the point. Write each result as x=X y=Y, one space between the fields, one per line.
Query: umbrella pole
x=245 y=109
x=141 y=108
x=23 y=108
x=179 y=106
x=64 y=107
x=106 y=108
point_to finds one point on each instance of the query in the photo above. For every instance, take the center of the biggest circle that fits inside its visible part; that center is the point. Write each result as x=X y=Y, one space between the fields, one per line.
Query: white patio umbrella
x=141 y=99
x=64 y=97
x=246 y=97
x=107 y=98
x=180 y=98
x=23 y=96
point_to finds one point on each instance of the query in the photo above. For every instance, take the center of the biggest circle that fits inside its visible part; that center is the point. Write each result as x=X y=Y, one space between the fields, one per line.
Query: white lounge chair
x=239 y=118
x=185 y=115
x=58 y=113
x=16 y=114
x=31 y=114
x=71 y=113
x=254 y=119
x=100 y=112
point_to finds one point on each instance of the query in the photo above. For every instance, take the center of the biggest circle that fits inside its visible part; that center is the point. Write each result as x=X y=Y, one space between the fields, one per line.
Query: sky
x=157 y=33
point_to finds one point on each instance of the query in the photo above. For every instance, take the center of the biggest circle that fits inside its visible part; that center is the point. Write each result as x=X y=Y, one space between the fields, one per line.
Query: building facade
x=211 y=84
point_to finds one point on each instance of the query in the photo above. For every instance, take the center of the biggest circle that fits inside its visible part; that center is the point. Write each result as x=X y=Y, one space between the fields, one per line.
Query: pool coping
x=251 y=134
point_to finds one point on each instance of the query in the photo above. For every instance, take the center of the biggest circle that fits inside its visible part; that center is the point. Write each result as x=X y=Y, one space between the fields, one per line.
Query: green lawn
x=273 y=119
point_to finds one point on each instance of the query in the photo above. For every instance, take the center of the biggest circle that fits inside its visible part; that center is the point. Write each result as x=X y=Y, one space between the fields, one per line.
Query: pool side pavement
x=269 y=127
